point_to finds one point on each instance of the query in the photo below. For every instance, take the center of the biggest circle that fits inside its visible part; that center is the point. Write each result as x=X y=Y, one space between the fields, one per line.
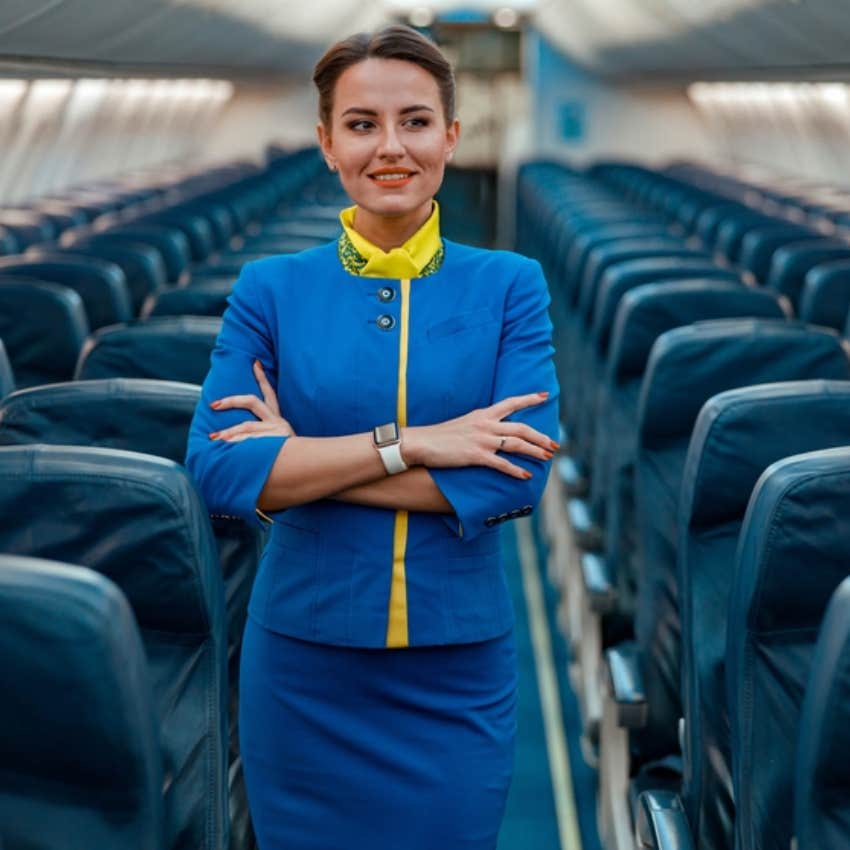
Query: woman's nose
x=390 y=143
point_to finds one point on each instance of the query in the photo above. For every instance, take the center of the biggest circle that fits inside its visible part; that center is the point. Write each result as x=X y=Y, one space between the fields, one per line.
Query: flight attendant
x=386 y=402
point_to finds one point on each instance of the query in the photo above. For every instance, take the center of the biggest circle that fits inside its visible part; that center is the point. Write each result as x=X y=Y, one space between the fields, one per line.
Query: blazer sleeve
x=230 y=476
x=481 y=496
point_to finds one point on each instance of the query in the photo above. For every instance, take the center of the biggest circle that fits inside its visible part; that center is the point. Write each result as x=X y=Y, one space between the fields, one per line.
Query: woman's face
x=388 y=137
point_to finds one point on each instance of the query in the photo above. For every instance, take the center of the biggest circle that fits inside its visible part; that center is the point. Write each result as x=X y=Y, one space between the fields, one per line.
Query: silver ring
x=501 y=443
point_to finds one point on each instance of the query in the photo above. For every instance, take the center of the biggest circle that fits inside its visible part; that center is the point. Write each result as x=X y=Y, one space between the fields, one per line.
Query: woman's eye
x=418 y=122
x=361 y=124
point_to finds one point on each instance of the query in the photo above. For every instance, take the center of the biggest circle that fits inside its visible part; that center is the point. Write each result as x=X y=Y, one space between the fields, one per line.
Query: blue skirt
x=376 y=749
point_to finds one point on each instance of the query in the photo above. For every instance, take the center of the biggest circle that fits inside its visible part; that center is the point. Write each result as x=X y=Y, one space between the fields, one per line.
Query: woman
x=385 y=401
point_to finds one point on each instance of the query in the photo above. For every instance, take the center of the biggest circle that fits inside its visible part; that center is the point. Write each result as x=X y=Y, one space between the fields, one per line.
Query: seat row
x=687 y=380
x=127 y=736
x=174 y=250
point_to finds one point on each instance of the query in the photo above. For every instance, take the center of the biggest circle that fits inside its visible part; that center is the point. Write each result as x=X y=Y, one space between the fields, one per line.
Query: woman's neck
x=388 y=232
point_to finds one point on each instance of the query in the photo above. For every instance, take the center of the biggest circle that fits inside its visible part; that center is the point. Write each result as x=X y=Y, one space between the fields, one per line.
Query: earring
x=332 y=166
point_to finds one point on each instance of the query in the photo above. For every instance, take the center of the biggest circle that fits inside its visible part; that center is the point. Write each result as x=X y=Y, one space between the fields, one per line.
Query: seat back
x=825 y=298
x=793 y=261
x=43 y=327
x=81 y=756
x=207 y=299
x=643 y=315
x=738 y=434
x=821 y=816
x=686 y=367
x=139 y=521
x=100 y=283
x=792 y=557
x=7 y=375
x=165 y=349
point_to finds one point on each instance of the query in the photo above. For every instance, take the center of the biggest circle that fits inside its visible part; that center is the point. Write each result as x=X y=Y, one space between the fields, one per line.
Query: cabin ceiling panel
x=687 y=38
x=253 y=36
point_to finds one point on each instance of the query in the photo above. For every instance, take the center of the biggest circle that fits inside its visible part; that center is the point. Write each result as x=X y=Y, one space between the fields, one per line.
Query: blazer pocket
x=461 y=322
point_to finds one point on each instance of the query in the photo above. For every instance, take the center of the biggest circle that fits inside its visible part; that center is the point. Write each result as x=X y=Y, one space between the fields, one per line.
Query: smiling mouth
x=392 y=177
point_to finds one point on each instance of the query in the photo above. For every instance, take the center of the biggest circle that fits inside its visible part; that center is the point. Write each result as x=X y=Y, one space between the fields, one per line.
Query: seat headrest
x=825 y=299
x=798 y=516
x=132 y=517
x=119 y=413
x=77 y=703
x=689 y=365
x=203 y=299
x=653 y=308
x=739 y=433
x=174 y=348
x=46 y=346
x=7 y=375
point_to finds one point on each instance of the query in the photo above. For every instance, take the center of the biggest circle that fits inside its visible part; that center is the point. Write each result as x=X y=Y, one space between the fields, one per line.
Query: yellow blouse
x=421 y=255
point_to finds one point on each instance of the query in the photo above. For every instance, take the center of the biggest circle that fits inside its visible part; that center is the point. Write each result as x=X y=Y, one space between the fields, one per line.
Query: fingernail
x=547 y=455
x=256 y=362
x=554 y=446
x=526 y=475
x=543 y=394
x=215 y=405
x=214 y=435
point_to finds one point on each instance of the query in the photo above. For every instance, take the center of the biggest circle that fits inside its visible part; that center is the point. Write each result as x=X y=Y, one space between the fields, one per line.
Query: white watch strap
x=391 y=456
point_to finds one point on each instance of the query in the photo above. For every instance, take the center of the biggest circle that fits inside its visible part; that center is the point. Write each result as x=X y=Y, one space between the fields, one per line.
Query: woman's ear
x=326 y=145
x=452 y=138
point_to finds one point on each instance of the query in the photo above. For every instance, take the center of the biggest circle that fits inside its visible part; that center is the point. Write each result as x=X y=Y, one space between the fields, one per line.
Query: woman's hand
x=476 y=439
x=267 y=411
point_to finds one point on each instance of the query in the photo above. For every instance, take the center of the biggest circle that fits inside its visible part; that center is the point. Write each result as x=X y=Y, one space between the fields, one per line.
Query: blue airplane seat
x=825 y=298
x=792 y=262
x=27 y=227
x=139 y=521
x=8 y=242
x=142 y=264
x=100 y=283
x=7 y=373
x=792 y=557
x=152 y=417
x=710 y=219
x=738 y=435
x=82 y=768
x=170 y=241
x=616 y=280
x=221 y=220
x=733 y=229
x=686 y=367
x=202 y=299
x=760 y=245
x=43 y=347
x=167 y=348
x=195 y=227
x=282 y=244
x=822 y=777
x=643 y=315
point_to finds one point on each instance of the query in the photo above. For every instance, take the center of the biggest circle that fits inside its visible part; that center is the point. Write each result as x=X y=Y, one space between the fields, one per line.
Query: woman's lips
x=392 y=179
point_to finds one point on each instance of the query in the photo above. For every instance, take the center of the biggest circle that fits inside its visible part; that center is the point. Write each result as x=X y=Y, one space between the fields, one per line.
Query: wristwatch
x=387 y=441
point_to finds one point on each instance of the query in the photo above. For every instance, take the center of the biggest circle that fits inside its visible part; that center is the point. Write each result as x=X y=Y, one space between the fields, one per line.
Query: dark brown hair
x=394 y=42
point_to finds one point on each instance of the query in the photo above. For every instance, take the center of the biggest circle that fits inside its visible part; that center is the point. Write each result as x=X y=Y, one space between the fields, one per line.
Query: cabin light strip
x=740 y=95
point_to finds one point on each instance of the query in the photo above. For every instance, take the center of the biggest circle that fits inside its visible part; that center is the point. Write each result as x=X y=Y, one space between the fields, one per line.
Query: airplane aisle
x=552 y=801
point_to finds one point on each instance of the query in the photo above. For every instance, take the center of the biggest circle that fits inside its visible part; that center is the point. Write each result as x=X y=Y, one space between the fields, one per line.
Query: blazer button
x=525 y=510
x=490 y=521
x=386 y=322
x=503 y=517
x=386 y=293
x=516 y=513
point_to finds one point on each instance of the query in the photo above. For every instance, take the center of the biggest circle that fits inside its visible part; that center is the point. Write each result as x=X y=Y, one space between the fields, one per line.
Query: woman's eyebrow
x=361 y=110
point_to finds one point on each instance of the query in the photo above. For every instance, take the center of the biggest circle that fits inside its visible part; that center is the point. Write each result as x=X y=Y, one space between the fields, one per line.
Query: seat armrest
x=661 y=822
x=625 y=682
x=588 y=535
x=598 y=583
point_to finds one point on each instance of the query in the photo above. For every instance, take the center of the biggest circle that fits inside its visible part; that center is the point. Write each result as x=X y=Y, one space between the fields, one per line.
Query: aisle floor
x=551 y=805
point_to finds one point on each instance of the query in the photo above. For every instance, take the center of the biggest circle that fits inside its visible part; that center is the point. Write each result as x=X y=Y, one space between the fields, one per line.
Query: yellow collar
x=405 y=262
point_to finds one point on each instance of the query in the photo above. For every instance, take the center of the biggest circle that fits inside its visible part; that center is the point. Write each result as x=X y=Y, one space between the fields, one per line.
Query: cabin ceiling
x=615 y=38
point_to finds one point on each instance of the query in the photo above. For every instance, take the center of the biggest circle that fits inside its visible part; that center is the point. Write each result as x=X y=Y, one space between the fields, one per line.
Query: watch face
x=386 y=434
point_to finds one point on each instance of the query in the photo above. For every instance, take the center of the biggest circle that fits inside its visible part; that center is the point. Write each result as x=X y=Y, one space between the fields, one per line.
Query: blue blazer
x=339 y=348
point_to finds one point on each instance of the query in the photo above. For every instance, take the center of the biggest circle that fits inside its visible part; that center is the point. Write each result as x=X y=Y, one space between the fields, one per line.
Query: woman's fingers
x=526 y=433
x=243 y=402
x=510 y=405
x=269 y=395
x=252 y=429
x=517 y=445
x=502 y=465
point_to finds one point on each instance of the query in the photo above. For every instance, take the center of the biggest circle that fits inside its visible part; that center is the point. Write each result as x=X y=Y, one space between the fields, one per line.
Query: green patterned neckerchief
x=354 y=262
